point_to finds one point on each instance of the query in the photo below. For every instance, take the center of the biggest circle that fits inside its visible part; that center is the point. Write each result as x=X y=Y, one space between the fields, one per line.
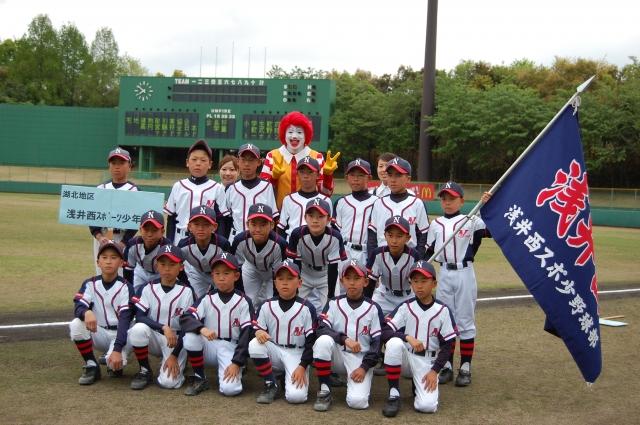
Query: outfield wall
x=615 y=217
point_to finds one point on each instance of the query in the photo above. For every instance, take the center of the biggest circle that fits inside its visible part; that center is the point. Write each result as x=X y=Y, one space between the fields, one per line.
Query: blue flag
x=541 y=220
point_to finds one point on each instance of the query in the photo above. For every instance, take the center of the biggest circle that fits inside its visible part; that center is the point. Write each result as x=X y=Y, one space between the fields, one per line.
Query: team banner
x=120 y=209
x=541 y=220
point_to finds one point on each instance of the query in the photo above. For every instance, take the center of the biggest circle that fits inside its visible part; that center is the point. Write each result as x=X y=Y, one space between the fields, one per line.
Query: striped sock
x=323 y=371
x=393 y=375
x=196 y=360
x=142 y=354
x=466 y=350
x=264 y=368
x=85 y=347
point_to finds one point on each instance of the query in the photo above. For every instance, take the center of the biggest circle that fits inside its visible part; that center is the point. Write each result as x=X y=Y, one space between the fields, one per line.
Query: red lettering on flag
x=584 y=236
x=594 y=287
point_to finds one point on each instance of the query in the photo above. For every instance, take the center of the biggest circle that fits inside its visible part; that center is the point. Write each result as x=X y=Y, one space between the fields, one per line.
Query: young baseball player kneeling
x=284 y=338
x=200 y=247
x=159 y=306
x=348 y=340
x=218 y=330
x=419 y=337
x=102 y=316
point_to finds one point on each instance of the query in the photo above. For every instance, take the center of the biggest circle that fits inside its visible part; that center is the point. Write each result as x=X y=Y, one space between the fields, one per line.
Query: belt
x=355 y=246
x=426 y=353
x=110 y=328
x=229 y=340
x=318 y=268
x=400 y=292
x=455 y=266
x=289 y=346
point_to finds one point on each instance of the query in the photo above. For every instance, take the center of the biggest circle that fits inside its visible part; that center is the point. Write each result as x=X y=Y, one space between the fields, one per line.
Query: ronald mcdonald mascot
x=280 y=165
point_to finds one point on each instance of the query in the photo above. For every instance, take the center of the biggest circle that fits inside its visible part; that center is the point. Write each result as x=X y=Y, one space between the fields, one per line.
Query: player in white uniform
x=349 y=332
x=458 y=288
x=194 y=191
x=284 y=338
x=249 y=190
x=259 y=248
x=352 y=213
x=293 y=205
x=119 y=167
x=102 y=316
x=317 y=246
x=390 y=265
x=200 y=247
x=159 y=305
x=399 y=202
x=418 y=340
x=218 y=330
x=142 y=250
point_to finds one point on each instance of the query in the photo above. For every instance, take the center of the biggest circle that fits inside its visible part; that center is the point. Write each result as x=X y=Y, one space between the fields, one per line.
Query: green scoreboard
x=226 y=112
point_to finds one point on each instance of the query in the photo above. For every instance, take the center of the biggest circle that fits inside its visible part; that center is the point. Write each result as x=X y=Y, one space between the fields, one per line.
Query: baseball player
x=419 y=337
x=284 y=338
x=390 y=265
x=141 y=250
x=218 y=330
x=249 y=190
x=399 y=202
x=194 y=191
x=352 y=212
x=318 y=247
x=199 y=248
x=159 y=305
x=348 y=340
x=258 y=248
x=102 y=316
x=293 y=205
x=119 y=167
x=458 y=288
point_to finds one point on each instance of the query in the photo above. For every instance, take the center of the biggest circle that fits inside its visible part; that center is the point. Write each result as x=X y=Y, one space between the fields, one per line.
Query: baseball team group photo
x=303 y=245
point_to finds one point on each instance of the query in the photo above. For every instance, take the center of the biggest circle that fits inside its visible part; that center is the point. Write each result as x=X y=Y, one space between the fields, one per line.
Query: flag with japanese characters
x=540 y=218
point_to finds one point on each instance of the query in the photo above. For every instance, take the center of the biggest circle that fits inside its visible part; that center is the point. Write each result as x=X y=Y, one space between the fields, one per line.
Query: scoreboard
x=226 y=112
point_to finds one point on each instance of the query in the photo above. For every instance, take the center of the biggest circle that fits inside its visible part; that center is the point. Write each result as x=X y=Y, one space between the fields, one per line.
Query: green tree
x=100 y=83
x=74 y=56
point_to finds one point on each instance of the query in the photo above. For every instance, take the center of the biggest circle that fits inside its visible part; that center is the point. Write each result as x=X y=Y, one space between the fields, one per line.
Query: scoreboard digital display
x=226 y=112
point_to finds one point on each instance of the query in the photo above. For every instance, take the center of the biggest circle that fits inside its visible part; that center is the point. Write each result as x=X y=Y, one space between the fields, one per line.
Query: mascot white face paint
x=294 y=138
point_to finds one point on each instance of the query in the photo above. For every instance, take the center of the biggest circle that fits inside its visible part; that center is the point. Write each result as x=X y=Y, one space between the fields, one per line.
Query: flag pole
x=474 y=211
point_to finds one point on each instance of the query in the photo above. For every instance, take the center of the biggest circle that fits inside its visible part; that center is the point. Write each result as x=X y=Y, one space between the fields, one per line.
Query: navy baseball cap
x=357 y=266
x=261 y=211
x=154 y=217
x=112 y=245
x=318 y=204
x=423 y=267
x=172 y=252
x=453 y=189
x=289 y=265
x=400 y=165
x=202 y=145
x=119 y=153
x=399 y=222
x=360 y=164
x=229 y=260
x=203 y=211
x=248 y=147
x=310 y=163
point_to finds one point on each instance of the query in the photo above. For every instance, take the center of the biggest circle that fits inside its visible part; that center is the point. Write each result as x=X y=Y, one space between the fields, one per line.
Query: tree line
x=485 y=114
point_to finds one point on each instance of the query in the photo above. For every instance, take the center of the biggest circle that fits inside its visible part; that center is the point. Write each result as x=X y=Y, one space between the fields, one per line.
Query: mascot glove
x=331 y=164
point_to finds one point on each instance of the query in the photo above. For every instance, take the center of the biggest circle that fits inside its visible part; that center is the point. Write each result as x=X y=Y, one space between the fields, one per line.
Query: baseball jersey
x=293 y=207
x=164 y=308
x=242 y=194
x=290 y=327
x=226 y=319
x=263 y=260
x=115 y=186
x=106 y=300
x=393 y=273
x=410 y=208
x=201 y=259
x=426 y=323
x=352 y=215
x=362 y=324
x=136 y=254
x=462 y=247
x=327 y=248
x=186 y=194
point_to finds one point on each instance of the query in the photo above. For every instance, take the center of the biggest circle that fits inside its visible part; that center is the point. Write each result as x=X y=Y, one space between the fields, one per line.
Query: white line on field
x=510 y=297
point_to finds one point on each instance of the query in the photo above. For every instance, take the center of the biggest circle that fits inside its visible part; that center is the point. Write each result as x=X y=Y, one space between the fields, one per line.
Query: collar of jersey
x=199 y=180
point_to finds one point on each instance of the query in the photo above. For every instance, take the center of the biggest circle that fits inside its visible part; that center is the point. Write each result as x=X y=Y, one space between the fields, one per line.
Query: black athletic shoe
x=114 y=373
x=323 y=401
x=391 y=407
x=90 y=374
x=102 y=359
x=197 y=386
x=463 y=379
x=268 y=394
x=445 y=375
x=141 y=380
